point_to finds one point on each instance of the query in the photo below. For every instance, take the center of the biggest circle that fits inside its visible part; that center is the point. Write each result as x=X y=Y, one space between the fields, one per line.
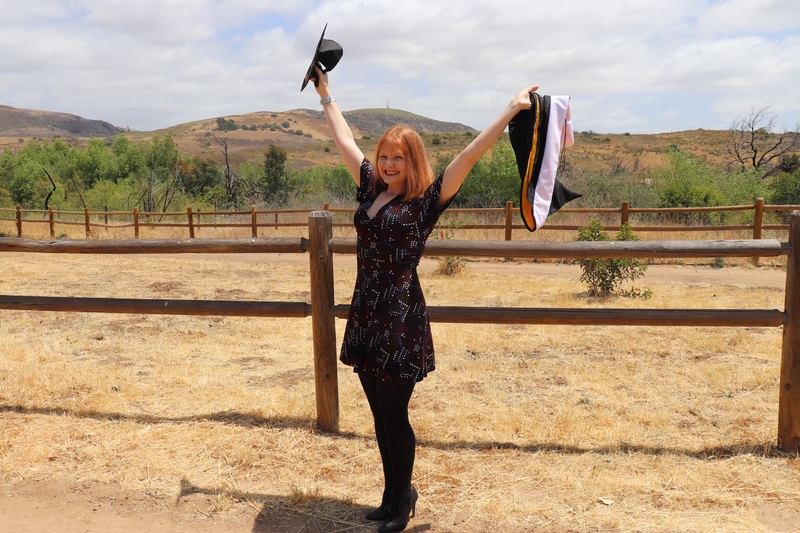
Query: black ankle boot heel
x=400 y=521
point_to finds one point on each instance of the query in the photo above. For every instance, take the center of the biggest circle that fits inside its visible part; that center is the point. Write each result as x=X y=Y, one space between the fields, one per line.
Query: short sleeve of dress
x=430 y=202
x=366 y=182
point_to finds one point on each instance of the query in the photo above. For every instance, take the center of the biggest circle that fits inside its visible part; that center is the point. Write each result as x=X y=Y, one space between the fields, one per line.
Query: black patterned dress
x=388 y=332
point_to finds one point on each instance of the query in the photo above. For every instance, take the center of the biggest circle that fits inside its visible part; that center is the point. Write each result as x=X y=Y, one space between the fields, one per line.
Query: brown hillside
x=637 y=152
x=23 y=123
x=303 y=133
x=592 y=151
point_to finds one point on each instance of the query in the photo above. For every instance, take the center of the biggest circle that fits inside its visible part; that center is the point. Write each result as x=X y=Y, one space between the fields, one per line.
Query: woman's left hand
x=321 y=83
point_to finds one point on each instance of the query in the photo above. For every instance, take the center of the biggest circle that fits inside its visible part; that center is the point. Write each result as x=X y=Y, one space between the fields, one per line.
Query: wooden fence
x=321 y=247
x=256 y=219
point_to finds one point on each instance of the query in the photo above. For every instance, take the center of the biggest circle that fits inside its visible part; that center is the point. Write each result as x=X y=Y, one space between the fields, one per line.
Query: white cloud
x=629 y=66
x=745 y=16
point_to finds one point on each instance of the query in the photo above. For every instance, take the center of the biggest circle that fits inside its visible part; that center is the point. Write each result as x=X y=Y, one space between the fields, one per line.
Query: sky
x=637 y=66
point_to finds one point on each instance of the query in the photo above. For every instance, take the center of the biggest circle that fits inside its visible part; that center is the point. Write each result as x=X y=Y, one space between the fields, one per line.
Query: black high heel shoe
x=380 y=513
x=384 y=509
x=400 y=521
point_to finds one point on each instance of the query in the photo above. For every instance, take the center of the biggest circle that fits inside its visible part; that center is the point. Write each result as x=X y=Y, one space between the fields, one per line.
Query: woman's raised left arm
x=457 y=171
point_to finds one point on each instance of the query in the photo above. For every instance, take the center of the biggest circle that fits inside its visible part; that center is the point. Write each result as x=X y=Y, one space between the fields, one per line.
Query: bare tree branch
x=53 y=183
x=756 y=144
x=230 y=176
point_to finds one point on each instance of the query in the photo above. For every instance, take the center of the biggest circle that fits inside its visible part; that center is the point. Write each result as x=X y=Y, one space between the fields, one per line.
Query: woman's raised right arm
x=342 y=135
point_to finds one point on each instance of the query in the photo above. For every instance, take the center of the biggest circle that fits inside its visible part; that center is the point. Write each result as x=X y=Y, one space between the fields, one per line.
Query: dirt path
x=699 y=274
x=60 y=507
x=39 y=506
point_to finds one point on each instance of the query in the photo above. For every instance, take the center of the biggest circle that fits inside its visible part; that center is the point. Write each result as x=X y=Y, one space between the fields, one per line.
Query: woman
x=387 y=339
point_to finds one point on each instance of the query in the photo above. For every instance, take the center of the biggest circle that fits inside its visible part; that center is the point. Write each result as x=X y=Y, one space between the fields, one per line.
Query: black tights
x=396 y=441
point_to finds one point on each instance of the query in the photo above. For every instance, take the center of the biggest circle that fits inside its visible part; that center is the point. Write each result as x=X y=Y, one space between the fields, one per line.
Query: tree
x=5 y=199
x=226 y=125
x=322 y=184
x=756 y=144
x=22 y=185
x=129 y=159
x=493 y=180
x=201 y=175
x=94 y=163
x=785 y=190
x=107 y=195
x=339 y=184
x=789 y=164
x=163 y=166
x=688 y=181
x=275 y=183
x=230 y=178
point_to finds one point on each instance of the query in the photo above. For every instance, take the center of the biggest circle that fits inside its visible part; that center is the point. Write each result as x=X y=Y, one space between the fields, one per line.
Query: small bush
x=449 y=265
x=785 y=189
x=605 y=275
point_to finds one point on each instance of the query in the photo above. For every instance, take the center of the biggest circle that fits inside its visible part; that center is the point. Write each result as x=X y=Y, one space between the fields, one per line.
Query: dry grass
x=520 y=428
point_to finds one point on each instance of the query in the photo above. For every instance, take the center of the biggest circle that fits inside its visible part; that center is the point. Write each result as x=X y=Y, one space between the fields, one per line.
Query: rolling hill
x=303 y=133
x=15 y=122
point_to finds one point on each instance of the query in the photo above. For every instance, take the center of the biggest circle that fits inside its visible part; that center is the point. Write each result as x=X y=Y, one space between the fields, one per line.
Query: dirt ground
x=38 y=506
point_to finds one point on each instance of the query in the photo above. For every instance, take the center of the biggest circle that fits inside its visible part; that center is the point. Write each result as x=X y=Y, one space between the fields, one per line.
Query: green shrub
x=785 y=190
x=605 y=275
x=449 y=265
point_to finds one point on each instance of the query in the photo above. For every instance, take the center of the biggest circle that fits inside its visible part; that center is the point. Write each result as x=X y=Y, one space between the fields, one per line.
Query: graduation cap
x=326 y=56
x=538 y=136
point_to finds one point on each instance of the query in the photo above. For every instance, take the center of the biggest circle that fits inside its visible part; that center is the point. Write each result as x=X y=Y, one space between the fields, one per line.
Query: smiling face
x=401 y=162
x=393 y=166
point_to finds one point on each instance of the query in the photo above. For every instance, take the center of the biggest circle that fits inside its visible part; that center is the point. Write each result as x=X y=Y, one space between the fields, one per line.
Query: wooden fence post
x=320 y=232
x=19 y=221
x=136 y=222
x=87 y=221
x=254 y=221
x=624 y=214
x=509 y=218
x=758 y=223
x=51 y=220
x=190 y=219
x=789 y=397
x=758 y=218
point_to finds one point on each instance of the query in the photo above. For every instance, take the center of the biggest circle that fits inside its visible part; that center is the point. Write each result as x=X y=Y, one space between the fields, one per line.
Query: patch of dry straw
x=520 y=428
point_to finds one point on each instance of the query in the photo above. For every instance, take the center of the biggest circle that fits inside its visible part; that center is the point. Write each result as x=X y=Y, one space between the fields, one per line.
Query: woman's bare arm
x=459 y=168
x=340 y=130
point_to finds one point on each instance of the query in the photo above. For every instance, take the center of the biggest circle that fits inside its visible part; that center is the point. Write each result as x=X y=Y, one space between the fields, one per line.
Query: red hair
x=420 y=172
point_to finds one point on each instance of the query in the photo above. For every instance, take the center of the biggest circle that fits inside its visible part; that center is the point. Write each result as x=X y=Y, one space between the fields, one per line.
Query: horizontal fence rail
x=593 y=249
x=157 y=307
x=597 y=249
x=158 y=246
x=599 y=317
x=321 y=247
x=255 y=219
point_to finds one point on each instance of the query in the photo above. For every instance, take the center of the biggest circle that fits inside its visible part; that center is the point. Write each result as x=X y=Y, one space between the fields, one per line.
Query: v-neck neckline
x=381 y=208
